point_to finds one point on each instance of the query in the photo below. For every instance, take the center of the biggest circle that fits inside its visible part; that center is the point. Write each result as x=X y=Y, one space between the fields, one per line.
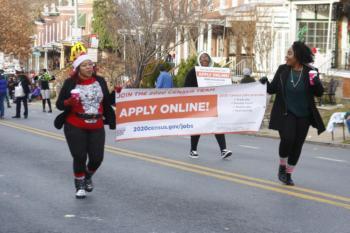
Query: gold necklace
x=292 y=77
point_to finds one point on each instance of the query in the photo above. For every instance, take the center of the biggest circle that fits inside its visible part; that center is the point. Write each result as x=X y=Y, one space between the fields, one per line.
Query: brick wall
x=346 y=88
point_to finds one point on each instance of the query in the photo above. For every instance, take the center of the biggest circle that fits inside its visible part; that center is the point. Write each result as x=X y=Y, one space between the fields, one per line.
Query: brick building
x=55 y=33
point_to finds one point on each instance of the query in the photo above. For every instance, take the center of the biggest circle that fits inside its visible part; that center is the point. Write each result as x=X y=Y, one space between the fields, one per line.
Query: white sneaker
x=80 y=194
x=80 y=188
x=194 y=154
x=226 y=153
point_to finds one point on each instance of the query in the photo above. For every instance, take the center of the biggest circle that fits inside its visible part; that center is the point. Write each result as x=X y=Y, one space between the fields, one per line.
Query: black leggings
x=82 y=144
x=219 y=137
x=48 y=103
x=293 y=134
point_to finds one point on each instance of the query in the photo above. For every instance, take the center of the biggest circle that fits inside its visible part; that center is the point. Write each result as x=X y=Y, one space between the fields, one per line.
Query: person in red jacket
x=84 y=98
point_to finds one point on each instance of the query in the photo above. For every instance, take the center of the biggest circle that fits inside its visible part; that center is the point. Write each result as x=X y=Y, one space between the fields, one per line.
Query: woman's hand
x=71 y=101
x=118 y=89
x=263 y=80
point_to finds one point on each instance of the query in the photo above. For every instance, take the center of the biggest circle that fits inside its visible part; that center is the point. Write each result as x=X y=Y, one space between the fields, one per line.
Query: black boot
x=44 y=103
x=49 y=103
x=80 y=188
x=89 y=186
x=282 y=175
x=289 y=180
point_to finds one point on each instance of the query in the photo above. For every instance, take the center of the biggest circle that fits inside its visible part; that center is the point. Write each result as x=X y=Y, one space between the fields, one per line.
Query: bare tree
x=254 y=33
x=147 y=29
x=264 y=39
x=244 y=31
x=111 y=68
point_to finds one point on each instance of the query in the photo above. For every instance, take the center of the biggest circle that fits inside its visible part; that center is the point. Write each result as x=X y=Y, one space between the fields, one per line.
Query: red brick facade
x=346 y=88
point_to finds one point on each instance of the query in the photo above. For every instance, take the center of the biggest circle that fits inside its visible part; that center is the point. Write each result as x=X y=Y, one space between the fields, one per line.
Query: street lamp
x=53 y=56
x=125 y=32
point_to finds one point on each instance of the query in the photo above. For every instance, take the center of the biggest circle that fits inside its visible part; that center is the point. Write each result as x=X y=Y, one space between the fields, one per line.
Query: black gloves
x=263 y=80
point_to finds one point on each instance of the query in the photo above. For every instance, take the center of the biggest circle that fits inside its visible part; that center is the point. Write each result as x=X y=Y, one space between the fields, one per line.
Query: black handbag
x=59 y=120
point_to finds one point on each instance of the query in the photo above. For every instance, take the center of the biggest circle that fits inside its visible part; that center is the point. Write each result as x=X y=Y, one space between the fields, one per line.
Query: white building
x=317 y=22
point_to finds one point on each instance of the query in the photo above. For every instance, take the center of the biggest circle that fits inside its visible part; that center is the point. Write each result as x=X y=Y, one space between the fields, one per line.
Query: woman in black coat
x=191 y=81
x=86 y=110
x=23 y=98
x=294 y=108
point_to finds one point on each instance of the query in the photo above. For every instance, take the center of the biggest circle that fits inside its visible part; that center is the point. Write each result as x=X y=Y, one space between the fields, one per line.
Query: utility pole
x=329 y=36
x=76 y=32
x=76 y=14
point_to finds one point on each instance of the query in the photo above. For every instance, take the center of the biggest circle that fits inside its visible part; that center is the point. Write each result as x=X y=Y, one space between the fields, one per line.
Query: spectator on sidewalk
x=44 y=80
x=247 y=78
x=21 y=94
x=3 y=93
x=294 y=108
x=347 y=120
x=11 y=87
x=7 y=97
x=164 y=79
x=191 y=81
x=35 y=93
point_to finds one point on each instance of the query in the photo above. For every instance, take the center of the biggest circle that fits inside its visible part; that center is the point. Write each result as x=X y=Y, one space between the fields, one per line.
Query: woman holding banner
x=295 y=84
x=191 y=81
x=84 y=98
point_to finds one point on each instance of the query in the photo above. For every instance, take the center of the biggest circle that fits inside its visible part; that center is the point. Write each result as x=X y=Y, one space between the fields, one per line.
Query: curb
x=330 y=144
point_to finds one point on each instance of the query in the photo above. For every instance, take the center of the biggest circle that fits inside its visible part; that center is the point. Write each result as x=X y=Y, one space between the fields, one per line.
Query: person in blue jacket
x=347 y=120
x=3 y=93
x=164 y=79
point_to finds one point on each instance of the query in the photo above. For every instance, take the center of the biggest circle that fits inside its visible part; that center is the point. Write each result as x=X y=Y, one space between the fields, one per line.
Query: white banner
x=143 y=113
x=213 y=76
x=93 y=54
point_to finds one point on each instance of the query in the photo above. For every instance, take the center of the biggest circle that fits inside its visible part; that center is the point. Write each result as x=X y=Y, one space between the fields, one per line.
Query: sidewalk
x=325 y=138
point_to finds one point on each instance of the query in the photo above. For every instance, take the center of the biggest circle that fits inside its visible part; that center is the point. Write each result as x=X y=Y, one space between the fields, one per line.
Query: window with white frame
x=315 y=34
x=234 y=3
x=222 y=4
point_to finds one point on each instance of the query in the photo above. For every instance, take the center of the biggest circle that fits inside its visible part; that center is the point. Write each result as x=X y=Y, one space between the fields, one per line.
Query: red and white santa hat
x=80 y=60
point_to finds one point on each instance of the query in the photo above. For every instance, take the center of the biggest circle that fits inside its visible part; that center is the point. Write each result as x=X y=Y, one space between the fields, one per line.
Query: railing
x=240 y=66
x=326 y=67
x=347 y=61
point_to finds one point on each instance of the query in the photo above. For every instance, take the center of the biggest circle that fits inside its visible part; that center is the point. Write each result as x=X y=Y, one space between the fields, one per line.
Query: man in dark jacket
x=24 y=83
x=247 y=78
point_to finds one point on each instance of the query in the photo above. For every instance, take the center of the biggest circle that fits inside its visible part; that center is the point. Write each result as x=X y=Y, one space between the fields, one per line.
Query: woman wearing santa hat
x=84 y=100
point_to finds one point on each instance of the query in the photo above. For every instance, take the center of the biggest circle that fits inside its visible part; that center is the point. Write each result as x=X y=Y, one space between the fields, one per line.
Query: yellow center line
x=215 y=173
x=124 y=151
x=240 y=181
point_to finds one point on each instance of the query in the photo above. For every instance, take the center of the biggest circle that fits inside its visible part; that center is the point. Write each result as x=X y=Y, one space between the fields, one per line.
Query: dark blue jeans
x=2 y=105
x=348 y=124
